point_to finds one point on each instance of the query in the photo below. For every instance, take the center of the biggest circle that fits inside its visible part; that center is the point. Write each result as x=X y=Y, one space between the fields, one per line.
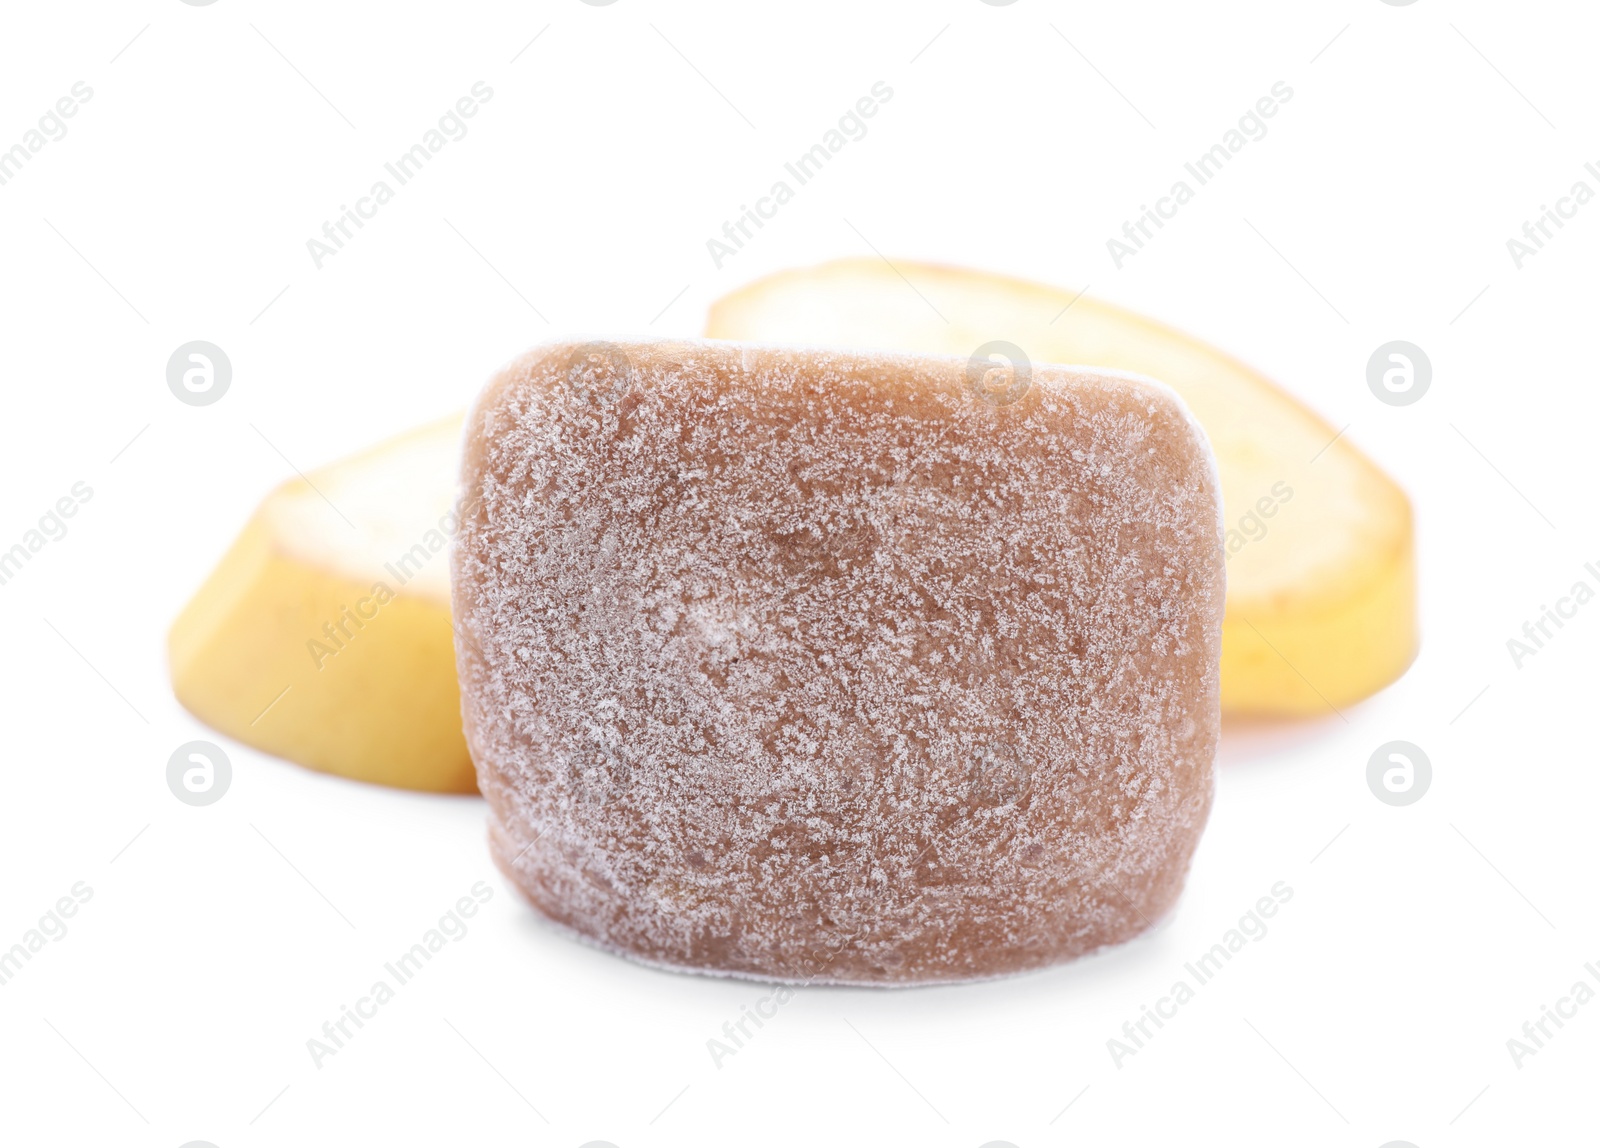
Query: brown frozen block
x=854 y=668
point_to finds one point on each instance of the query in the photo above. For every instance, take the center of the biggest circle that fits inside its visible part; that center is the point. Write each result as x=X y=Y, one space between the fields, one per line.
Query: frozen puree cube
x=846 y=667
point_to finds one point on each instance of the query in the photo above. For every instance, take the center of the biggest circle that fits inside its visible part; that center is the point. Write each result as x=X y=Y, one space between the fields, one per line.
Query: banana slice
x=1321 y=602
x=324 y=634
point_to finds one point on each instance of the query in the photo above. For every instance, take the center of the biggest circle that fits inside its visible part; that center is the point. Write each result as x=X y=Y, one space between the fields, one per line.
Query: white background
x=178 y=206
